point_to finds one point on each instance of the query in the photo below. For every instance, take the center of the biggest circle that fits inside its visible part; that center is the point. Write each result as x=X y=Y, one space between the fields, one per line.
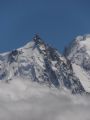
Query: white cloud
x=34 y=102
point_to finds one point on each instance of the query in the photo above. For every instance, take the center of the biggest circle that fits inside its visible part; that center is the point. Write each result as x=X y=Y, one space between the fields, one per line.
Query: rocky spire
x=37 y=39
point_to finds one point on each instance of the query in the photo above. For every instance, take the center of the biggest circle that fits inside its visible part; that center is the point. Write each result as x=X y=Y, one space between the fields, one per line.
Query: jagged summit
x=37 y=39
x=82 y=38
x=81 y=44
x=39 y=62
x=35 y=42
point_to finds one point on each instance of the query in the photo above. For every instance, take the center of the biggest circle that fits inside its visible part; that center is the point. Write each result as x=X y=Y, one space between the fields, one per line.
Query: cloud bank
x=34 y=102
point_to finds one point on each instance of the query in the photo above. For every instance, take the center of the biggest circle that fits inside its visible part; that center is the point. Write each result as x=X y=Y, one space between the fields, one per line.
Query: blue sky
x=57 y=21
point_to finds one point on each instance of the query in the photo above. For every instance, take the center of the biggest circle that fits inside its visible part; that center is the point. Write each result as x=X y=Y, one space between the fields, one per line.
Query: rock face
x=39 y=62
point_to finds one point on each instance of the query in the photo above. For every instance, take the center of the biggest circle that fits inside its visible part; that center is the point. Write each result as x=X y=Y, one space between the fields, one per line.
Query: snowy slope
x=79 y=55
x=83 y=77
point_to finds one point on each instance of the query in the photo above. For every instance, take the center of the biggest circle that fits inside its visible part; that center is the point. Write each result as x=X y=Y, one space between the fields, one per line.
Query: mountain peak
x=83 y=42
x=82 y=38
x=39 y=62
x=37 y=39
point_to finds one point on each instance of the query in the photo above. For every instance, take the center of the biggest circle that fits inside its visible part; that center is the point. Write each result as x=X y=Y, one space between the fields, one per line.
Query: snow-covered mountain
x=39 y=62
x=79 y=54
